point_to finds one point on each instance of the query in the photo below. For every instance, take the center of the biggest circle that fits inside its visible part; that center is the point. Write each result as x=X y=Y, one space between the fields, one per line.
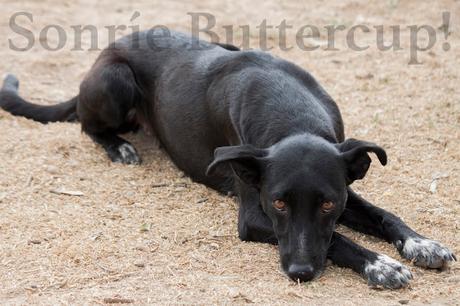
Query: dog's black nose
x=303 y=273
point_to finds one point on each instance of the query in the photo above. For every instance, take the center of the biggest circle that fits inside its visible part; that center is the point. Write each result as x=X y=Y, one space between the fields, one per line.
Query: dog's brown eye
x=327 y=207
x=280 y=205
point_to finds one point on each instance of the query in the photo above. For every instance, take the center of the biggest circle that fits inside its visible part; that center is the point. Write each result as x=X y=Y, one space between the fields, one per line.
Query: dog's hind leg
x=378 y=269
x=253 y=223
x=362 y=216
x=107 y=106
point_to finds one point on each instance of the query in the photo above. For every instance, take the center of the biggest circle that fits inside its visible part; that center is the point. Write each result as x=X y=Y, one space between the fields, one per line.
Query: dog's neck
x=307 y=140
x=267 y=136
x=263 y=118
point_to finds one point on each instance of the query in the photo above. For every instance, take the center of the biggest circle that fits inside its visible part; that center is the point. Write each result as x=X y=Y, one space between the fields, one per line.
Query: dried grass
x=147 y=234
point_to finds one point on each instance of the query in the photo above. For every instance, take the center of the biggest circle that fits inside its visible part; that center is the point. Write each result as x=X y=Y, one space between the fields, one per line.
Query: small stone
x=454 y=279
x=145 y=227
x=139 y=264
x=118 y=300
x=52 y=169
x=140 y=248
x=403 y=302
x=95 y=236
x=366 y=76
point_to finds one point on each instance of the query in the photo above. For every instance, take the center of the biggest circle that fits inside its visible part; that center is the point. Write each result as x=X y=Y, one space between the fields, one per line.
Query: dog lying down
x=249 y=123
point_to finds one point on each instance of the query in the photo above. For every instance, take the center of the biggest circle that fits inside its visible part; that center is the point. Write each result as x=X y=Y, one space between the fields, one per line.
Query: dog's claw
x=426 y=253
x=387 y=273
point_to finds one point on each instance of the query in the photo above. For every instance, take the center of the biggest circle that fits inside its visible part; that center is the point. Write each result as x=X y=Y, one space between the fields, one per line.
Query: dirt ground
x=147 y=234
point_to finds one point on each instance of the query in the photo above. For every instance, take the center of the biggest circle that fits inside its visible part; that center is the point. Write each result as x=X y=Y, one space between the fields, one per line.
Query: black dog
x=252 y=124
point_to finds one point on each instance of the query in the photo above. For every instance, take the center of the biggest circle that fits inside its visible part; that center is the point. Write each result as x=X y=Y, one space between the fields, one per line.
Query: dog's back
x=195 y=96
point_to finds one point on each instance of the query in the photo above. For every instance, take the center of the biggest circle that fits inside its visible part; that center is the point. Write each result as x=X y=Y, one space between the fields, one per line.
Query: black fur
x=13 y=103
x=245 y=122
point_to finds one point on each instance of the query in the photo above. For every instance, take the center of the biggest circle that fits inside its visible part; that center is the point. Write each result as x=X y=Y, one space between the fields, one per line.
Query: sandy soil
x=148 y=234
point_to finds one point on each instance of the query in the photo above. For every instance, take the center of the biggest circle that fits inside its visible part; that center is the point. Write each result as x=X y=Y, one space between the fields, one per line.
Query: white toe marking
x=424 y=246
x=387 y=272
x=126 y=150
x=426 y=252
x=384 y=265
x=128 y=154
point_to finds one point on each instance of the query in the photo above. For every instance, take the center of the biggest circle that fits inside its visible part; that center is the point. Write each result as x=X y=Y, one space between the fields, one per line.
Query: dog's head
x=302 y=182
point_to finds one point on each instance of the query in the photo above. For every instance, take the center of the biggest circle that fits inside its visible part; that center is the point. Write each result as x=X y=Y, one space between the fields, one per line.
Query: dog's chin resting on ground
x=248 y=123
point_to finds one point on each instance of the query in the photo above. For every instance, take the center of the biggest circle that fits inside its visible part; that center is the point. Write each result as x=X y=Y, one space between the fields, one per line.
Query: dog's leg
x=362 y=216
x=107 y=101
x=253 y=223
x=378 y=269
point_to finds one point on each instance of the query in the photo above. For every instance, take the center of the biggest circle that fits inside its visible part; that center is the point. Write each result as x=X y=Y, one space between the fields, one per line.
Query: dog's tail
x=11 y=102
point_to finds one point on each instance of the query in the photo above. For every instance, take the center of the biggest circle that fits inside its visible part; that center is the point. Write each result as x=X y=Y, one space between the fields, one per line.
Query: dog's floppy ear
x=354 y=153
x=245 y=160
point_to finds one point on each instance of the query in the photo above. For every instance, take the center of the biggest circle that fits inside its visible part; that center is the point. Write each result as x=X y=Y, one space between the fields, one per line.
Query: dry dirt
x=147 y=234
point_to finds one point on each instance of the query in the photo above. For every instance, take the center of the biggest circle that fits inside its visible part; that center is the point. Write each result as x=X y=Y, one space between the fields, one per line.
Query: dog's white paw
x=387 y=272
x=125 y=154
x=426 y=253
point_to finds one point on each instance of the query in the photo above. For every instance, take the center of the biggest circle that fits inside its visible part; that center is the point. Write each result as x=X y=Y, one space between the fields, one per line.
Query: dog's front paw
x=425 y=252
x=387 y=273
x=125 y=154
